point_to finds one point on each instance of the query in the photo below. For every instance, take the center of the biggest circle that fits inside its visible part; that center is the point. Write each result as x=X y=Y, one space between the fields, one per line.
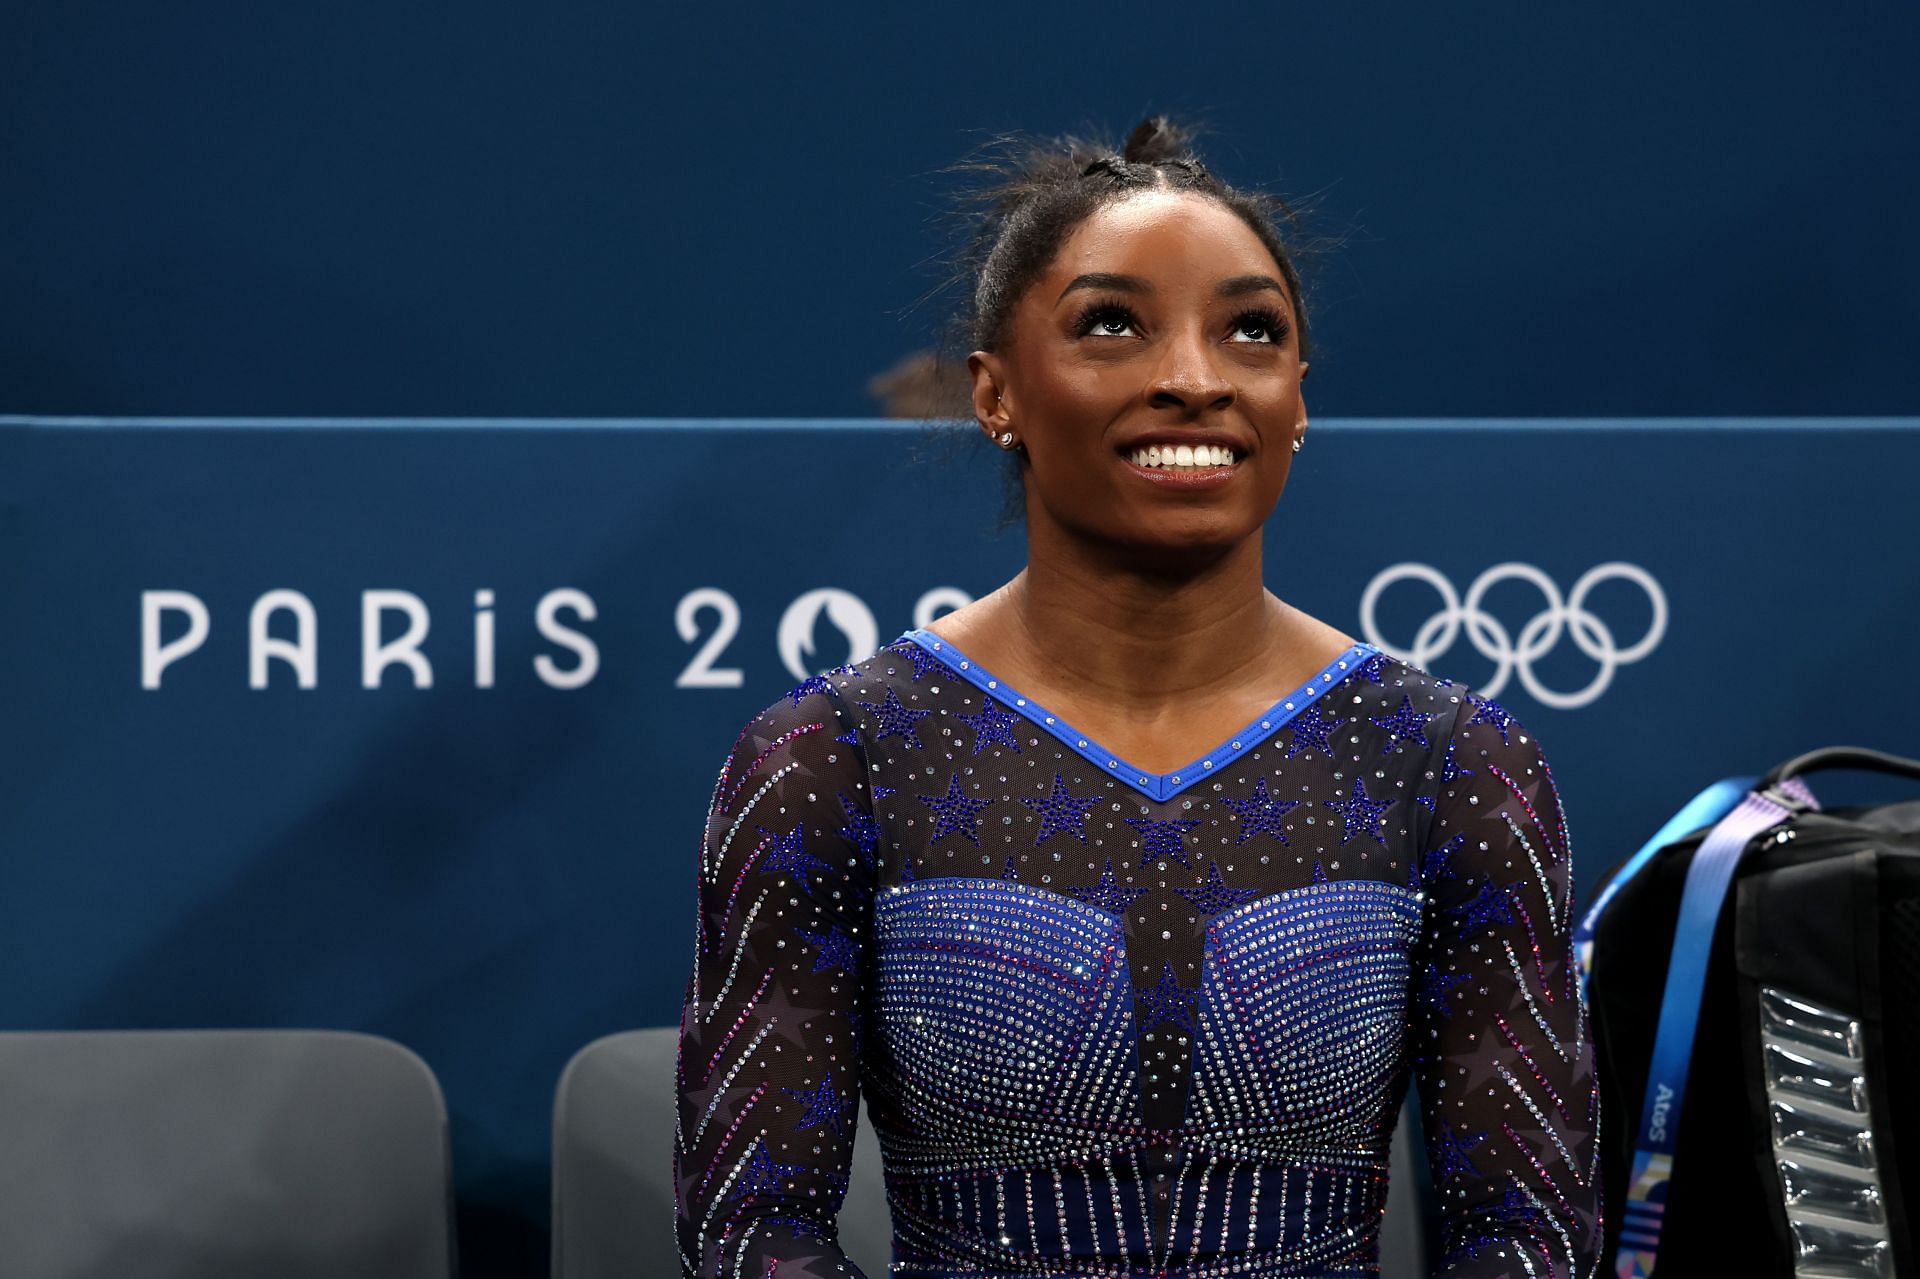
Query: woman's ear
x=990 y=407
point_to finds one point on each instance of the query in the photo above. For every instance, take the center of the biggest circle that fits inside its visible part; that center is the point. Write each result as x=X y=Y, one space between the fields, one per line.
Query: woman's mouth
x=1183 y=457
x=1184 y=465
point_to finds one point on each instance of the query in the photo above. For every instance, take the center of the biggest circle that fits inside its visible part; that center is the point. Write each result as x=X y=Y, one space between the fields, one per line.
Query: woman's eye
x=1107 y=321
x=1260 y=327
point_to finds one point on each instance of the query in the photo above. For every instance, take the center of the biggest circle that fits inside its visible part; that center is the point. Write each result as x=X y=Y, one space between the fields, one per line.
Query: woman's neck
x=1113 y=633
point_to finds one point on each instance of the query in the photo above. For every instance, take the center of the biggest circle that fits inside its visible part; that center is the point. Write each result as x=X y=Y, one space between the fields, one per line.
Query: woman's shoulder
x=805 y=755
x=1383 y=686
x=846 y=695
x=1465 y=741
x=1481 y=753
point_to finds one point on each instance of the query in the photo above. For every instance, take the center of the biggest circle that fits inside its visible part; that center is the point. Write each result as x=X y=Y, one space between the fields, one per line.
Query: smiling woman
x=1132 y=896
x=1163 y=323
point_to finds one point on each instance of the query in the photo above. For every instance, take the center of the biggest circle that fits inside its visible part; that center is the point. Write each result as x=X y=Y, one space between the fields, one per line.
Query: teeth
x=1189 y=456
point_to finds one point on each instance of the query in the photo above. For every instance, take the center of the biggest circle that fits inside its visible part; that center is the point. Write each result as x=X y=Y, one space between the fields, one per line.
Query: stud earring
x=1006 y=439
x=1296 y=446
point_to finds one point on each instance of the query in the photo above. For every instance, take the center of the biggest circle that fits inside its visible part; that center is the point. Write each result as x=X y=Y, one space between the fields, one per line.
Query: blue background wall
x=697 y=210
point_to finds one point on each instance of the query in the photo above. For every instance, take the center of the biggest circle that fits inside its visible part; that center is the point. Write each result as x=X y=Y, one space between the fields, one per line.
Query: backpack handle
x=1852 y=757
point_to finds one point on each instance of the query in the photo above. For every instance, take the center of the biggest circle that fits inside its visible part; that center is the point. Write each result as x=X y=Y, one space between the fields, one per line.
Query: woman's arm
x=1503 y=1053
x=770 y=1030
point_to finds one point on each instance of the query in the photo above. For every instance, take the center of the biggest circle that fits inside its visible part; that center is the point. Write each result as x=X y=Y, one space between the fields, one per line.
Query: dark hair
x=1035 y=203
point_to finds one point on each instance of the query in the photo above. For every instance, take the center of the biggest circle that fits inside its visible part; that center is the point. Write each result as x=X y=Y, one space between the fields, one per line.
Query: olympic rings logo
x=1438 y=633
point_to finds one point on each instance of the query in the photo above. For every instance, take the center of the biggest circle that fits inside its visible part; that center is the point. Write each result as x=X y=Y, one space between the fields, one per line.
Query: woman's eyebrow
x=1106 y=280
x=1233 y=287
x=1243 y=284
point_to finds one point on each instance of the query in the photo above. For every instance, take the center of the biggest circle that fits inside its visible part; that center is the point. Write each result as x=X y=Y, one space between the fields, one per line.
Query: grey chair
x=613 y=1184
x=221 y=1155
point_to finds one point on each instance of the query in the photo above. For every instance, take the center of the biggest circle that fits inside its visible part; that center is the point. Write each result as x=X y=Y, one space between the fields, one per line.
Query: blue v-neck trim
x=1153 y=785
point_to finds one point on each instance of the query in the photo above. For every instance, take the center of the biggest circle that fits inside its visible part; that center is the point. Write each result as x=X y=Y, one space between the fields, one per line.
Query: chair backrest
x=1403 y=1227
x=221 y=1155
x=613 y=1172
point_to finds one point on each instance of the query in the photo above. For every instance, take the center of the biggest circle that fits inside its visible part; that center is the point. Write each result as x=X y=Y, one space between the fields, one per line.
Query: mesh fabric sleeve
x=1505 y=1063
x=771 y=1025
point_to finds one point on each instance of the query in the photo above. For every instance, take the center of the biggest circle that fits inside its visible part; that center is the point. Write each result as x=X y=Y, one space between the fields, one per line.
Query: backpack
x=1753 y=976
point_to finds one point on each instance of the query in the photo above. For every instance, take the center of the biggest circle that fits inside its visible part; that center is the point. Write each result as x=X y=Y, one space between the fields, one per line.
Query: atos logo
x=1513 y=654
x=1662 y=1102
x=302 y=655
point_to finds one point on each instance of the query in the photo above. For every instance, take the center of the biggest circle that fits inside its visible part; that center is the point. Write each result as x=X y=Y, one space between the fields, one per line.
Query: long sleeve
x=768 y=1071
x=1503 y=1054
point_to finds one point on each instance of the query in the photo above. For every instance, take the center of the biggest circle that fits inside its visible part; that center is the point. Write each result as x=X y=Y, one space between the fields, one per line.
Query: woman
x=1131 y=896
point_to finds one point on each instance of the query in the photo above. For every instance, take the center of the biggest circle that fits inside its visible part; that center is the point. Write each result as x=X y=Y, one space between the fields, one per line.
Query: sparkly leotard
x=1117 y=1023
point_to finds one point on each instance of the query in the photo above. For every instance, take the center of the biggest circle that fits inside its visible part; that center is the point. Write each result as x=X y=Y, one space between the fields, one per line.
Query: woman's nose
x=1187 y=379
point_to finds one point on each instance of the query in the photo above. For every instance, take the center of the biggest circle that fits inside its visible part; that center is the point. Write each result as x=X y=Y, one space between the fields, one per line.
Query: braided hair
x=1033 y=204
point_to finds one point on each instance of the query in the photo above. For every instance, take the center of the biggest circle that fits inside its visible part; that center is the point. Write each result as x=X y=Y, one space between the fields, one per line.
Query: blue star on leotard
x=861 y=830
x=1489 y=906
x=833 y=948
x=992 y=725
x=896 y=720
x=922 y=660
x=1167 y=1001
x=811 y=684
x=1214 y=897
x=1436 y=864
x=826 y=1108
x=1450 y=1149
x=1061 y=813
x=1107 y=894
x=1163 y=838
x=1311 y=729
x=1515 y=1207
x=1260 y=814
x=1374 y=668
x=1450 y=1153
x=1405 y=722
x=760 y=1175
x=1449 y=771
x=1488 y=711
x=1361 y=815
x=790 y=854
x=1435 y=986
x=954 y=812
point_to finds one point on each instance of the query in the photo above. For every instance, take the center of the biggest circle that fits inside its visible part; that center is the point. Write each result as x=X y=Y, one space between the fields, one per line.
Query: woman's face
x=1163 y=322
